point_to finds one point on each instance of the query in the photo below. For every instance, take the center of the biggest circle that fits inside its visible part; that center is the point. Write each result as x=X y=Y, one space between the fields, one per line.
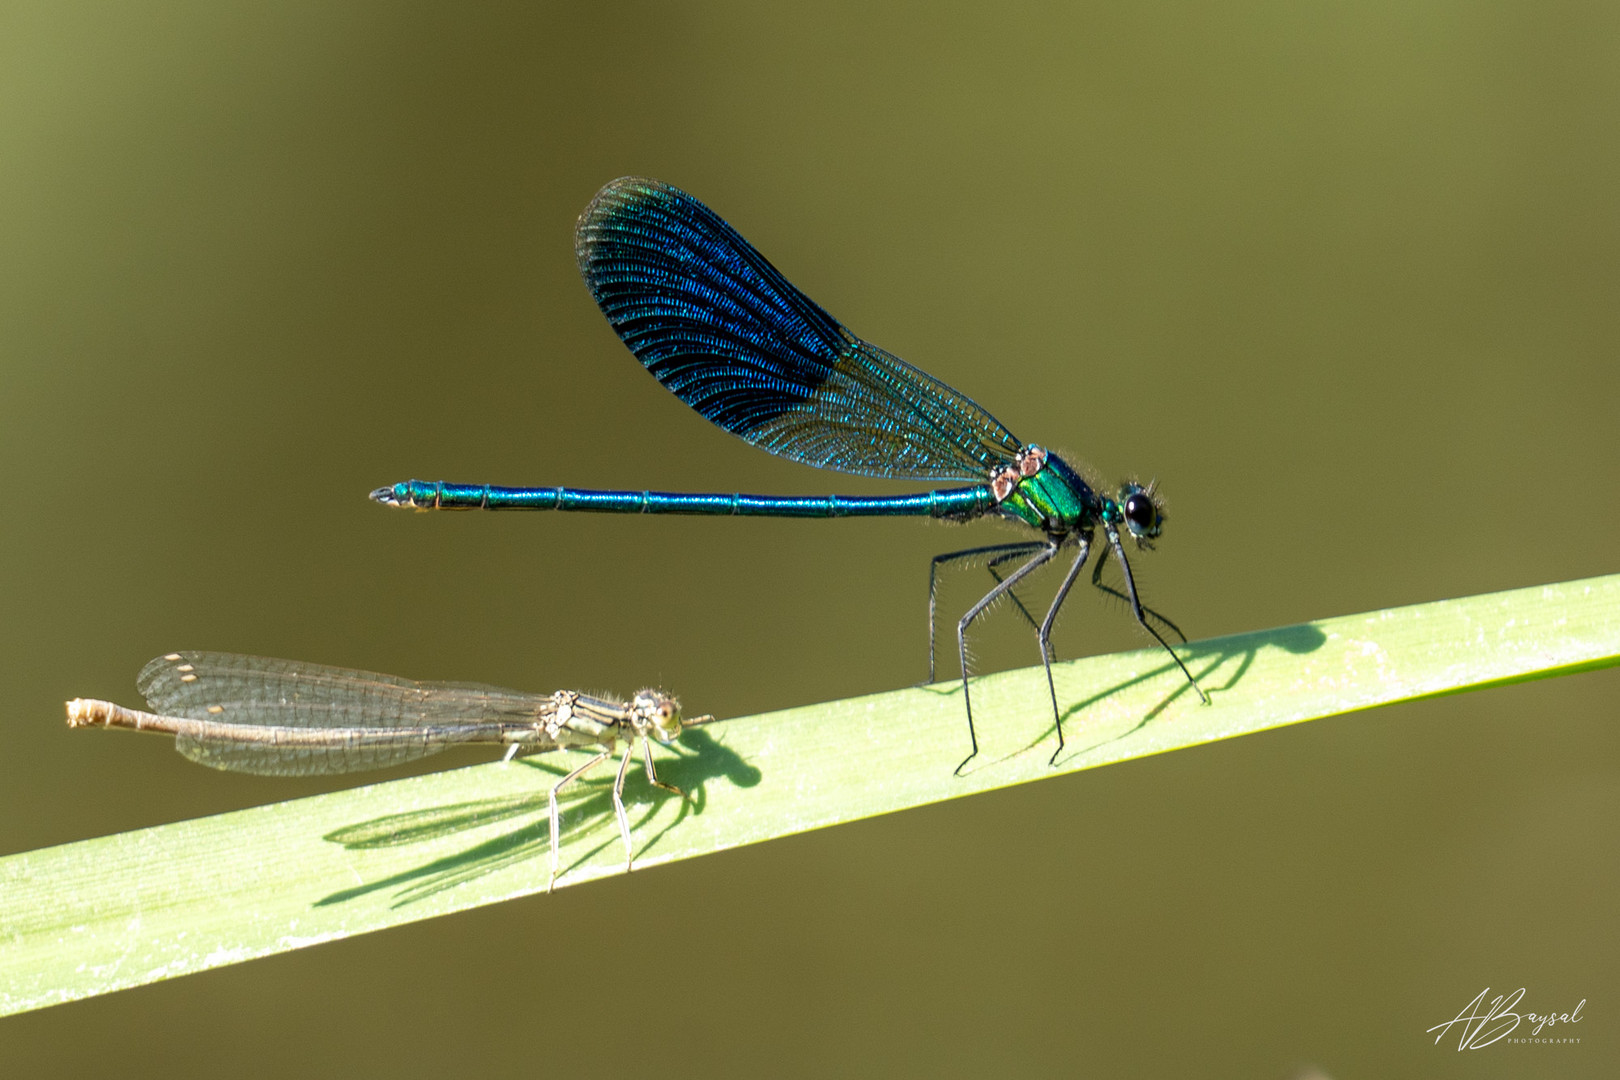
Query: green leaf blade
x=120 y=911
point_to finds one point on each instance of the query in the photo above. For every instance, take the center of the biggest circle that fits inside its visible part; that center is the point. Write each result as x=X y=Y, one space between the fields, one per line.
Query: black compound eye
x=1139 y=511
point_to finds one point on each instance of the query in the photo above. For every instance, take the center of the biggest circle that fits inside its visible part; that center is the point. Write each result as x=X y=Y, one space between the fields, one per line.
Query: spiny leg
x=618 y=808
x=652 y=777
x=1010 y=550
x=1096 y=580
x=1045 y=635
x=994 y=566
x=556 y=828
x=1136 y=608
x=1042 y=557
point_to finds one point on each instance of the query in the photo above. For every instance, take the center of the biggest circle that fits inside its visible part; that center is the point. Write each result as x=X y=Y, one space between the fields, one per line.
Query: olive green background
x=1342 y=276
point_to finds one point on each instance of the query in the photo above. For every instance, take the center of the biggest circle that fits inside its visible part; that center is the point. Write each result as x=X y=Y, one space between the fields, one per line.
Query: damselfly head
x=660 y=715
x=1143 y=512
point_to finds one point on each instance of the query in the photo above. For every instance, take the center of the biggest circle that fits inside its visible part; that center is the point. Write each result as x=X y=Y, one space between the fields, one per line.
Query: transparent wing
x=372 y=720
x=720 y=326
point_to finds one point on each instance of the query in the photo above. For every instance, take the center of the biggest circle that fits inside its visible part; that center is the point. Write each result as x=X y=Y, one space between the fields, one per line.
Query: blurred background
x=1342 y=277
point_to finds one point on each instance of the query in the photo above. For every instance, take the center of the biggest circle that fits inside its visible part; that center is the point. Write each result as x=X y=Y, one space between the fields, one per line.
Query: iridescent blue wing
x=719 y=326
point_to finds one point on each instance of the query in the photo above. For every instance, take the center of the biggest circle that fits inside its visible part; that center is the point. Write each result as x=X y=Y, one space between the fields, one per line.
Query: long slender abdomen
x=967 y=502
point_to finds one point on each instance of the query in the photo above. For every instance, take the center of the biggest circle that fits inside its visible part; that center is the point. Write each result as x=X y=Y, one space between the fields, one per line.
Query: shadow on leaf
x=586 y=809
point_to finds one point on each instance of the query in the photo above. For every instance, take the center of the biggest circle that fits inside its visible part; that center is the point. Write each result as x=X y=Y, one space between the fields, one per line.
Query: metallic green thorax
x=1055 y=499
